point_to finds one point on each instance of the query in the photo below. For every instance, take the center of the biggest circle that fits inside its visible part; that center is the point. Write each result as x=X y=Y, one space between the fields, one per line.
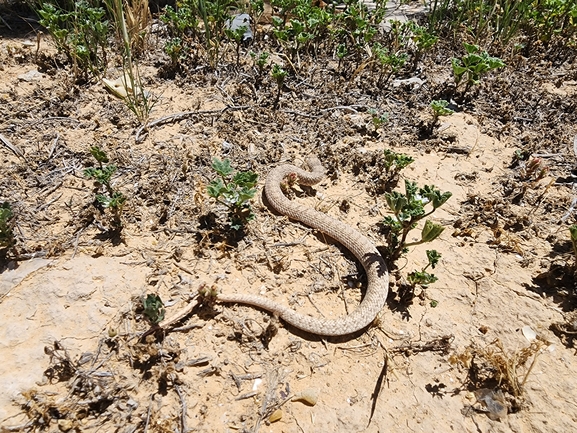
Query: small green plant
x=300 y=26
x=408 y=209
x=80 y=34
x=489 y=21
x=233 y=190
x=260 y=61
x=182 y=22
x=354 y=29
x=438 y=109
x=153 y=308
x=423 y=39
x=573 y=233
x=236 y=36
x=176 y=51
x=472 y=65
x=202 y=21
x=378 y=119
x=422 y=277
x=394 y=162
x=389 y=62
x=279 y=75
x=111 y=199
x=6 y=225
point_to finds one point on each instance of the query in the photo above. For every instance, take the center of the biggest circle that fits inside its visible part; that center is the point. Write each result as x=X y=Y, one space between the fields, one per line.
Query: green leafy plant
x=80 y=34
x=201 y=21
x=473 y=65
x=111 y=199
x=233 y=190
x=378 y=119
x=408 y=209
x=394 y=162
x=236 y=36
x=279 y=75
x=176 y=50
x=505 y=20
x=438 y=109
x=153 y=308
x=182 y=21
x=354 y=30
x=300 y=25
x=260 y=61
x=423 y=39
x=6 y=225
x=422 y=277
x=389 y=62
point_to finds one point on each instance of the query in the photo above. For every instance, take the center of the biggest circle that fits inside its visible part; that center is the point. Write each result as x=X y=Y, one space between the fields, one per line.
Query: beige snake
x=359 y=245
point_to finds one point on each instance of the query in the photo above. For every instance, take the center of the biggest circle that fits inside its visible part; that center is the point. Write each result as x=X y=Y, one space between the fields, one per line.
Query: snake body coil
x=359 y=245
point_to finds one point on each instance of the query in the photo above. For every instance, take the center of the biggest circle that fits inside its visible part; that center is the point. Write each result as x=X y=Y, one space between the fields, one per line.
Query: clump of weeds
x=80 y=33
x=378 y=119
x=233 y=189
x=137 y=99
x=106 y=195
x=498 y=376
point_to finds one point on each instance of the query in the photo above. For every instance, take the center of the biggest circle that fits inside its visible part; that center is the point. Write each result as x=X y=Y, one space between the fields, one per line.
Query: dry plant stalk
x=137 y=16
x=494 y=363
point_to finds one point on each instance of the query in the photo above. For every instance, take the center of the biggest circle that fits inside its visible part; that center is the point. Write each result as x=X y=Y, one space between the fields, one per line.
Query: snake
x=359 y=245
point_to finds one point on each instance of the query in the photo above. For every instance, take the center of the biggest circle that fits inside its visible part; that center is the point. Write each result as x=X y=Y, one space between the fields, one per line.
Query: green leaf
x=101 y=175
x=223 y=167
x=433 y=256
x=458 y=70
x=154 y=308
x=434 y=196
x=421 y=277
x=411 y=189
x=396 y=201
x=393 y=223
x=216 y=188
x=431 y=231
x=99 y=155
x=440 y=108
x=471 y=48
x=247 y=179
x=495 y=63
x=246 y=194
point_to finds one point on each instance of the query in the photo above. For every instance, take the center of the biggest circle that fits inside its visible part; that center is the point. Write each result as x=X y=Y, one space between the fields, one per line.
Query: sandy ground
x=411 y=371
